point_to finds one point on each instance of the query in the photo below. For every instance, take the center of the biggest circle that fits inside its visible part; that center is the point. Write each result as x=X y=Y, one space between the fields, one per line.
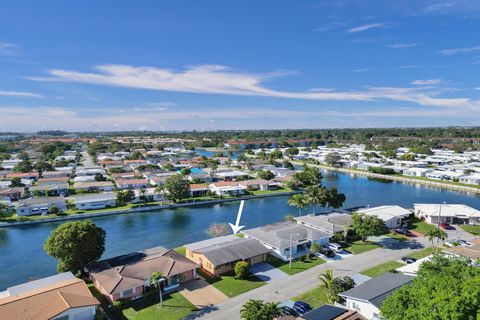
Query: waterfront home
x=198 y=189
x=392 y=216
x=258 y=184
x=220 y=255
x=368 y=297
x=126 y=277
x=150 y=193
x=368 y=165
x=470 y=179
x=11 y=194
x=331 y=223
x=59 y=297
x=283 y=181
x=95 y=201
x=90 y=186
x=417 y=172
x=285 y=236
x=22 y=175
x=227 y=188
x=131 y=183
x=59 y=189
x=447 y=213
x=33 y=206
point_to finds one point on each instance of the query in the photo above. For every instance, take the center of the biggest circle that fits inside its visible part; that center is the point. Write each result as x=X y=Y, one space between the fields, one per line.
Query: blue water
x=206 y=153
x=21 y=248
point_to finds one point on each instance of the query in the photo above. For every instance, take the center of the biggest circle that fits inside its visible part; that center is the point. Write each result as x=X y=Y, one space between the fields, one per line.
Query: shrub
x=241 y=270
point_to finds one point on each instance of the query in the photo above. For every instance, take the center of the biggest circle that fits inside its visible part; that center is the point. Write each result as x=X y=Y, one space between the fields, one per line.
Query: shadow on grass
x=202 y=312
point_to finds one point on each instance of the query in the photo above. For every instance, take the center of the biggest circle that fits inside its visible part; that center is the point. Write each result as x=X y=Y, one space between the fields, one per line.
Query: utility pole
x=291 y=234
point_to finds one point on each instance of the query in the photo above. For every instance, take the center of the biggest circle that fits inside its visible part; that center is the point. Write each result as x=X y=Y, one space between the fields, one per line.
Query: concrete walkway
x=266 y=272
x=202 y=294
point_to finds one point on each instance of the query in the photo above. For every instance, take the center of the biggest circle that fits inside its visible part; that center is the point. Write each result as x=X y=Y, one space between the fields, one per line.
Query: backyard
x=297 y=264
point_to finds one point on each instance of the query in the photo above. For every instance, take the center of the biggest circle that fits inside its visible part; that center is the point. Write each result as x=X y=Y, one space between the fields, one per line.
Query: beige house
x=220 y=255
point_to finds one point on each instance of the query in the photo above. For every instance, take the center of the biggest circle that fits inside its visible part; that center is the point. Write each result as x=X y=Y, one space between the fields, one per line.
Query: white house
x=59 y=297
x=95 y=201
x=447 y=213
x=393 y=216
x=32 y=206
x=417 y=172
x=227 y=188
x=368 y=297
x=150 y=193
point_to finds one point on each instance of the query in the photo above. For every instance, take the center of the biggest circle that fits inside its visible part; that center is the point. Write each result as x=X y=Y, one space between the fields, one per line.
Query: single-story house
x=89 y=171
x=22 y=175
x=331 y=223
x=52 y=181
x=5 y=184
x=131 y=183
x=11 y=194
x=227 y=188
x=126 y=277
x=393 y=216
x=150 y=193
x=59 y=297
x=447 y=213
x=283 y=181
x=89 y=186
x=368 y=297
x=84 y=179
x=368 y=165
x=230 y=175
x=95 y=201
x=200 y=176
x=60 y=189
x=329 y=312
x=283 y=236
x=219 y=255
x=258 y=184
x=198 y=189
x=470 y=179
x=55 y=174
x=33 y=206
x=417 y=172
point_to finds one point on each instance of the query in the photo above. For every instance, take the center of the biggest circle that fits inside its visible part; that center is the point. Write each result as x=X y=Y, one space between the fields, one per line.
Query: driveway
x=266 y=272
x=202 y=294
x=338 y=256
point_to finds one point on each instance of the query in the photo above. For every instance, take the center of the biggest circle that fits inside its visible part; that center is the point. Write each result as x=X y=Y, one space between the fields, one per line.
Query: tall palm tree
x=326 y=278
x=431 y=236
x=441 y=235
x=154 y=281
x=314 y=196
x=298 y=200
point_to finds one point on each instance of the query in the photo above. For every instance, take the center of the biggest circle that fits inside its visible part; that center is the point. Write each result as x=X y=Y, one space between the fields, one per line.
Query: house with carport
x=447 y=213
x=393 y=216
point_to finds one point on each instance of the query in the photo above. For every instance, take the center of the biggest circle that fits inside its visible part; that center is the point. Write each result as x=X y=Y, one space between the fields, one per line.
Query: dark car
x=287 y=311
x=404 y=232
x=408 y=260
x=329 y=253
x=301 y=307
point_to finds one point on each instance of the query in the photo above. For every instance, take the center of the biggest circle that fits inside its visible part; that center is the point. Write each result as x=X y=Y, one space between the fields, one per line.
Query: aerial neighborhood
x=347 y=262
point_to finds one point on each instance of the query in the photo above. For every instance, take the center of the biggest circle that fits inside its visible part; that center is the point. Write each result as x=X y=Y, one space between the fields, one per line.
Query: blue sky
x=208 y=65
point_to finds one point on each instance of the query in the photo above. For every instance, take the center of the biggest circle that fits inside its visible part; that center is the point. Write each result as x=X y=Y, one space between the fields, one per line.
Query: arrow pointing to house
x=237 y=227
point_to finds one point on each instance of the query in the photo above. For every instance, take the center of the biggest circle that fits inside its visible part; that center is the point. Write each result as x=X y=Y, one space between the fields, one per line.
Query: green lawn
x=259 y=192
x=382 y=268
x=315 y=298
x=475 y=230
x=357 y=247
x=421 y=226
x=175 y=307
x=297 y=265
x=421 y=254
x=233 y=287
x=181 y=250
x=396 y=236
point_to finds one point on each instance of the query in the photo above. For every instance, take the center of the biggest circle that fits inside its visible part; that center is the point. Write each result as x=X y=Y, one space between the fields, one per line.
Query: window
x=127 y=292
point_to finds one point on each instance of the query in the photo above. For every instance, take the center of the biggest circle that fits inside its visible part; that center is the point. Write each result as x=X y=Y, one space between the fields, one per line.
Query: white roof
x=412 y=268
x=40 y=283
x=450 y=210
x=386 y=212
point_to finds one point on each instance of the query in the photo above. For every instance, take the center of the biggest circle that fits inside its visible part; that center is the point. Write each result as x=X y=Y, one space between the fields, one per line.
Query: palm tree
x=431 y=236
x=298 y=200
x=326 y=278
x=154 y=281
x=258 y=309
x=314 y=196
x=441 y=235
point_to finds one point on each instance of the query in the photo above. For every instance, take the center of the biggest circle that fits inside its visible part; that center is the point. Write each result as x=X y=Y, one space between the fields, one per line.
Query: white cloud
x=366 y=27
x=19 y=94
x=9 y=49
x=427 y=82
x=402 y=45
x=451 y=51
x=215 y=79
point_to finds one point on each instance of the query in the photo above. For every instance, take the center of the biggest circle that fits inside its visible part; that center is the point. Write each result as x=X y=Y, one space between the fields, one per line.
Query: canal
x=21 y=248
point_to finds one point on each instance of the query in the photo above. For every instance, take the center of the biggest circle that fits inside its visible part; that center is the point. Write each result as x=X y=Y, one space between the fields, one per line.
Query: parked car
x=446 y=226
x=408 y=260
x=451 y=243
x=301 y=307
x=335 y=247
x=287 y=311
x=329 y=253
x=464 y=243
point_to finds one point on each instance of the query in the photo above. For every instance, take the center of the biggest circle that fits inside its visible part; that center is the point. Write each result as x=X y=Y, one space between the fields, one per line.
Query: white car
x=335 y=247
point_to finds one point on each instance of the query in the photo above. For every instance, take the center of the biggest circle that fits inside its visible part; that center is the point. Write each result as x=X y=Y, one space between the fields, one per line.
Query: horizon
x=216 y=66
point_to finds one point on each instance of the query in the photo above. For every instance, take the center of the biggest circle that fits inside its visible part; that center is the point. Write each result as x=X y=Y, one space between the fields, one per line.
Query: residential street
x=295 y=285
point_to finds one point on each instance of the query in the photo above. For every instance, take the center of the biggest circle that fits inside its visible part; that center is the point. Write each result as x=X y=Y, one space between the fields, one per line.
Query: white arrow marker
x=237 y=227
